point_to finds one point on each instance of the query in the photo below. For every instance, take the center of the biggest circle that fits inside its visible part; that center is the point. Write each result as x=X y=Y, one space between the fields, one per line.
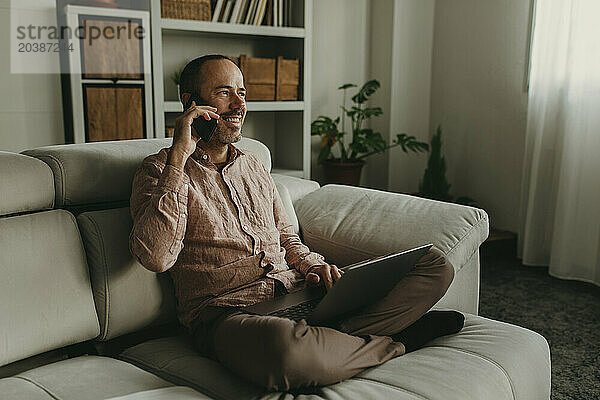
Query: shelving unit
x=284 y=126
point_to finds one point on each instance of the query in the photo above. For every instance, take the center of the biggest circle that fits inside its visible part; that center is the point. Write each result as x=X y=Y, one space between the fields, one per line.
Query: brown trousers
x=280 y=354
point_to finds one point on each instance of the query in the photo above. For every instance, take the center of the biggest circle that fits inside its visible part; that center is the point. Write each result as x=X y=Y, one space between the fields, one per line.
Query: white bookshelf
x=168 y=24
x=284 y=126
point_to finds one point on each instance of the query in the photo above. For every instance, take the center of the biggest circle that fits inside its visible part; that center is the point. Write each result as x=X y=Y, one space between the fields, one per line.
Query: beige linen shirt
x=224 y=233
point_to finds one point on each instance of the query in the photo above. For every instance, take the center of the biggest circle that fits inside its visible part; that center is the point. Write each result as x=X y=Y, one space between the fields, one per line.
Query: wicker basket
x=186 y=9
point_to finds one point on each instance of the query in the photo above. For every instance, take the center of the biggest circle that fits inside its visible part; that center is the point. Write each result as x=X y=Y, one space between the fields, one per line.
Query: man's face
x=223 y=88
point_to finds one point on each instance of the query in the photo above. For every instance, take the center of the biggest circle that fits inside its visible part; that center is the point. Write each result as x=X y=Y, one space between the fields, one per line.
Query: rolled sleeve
x=159 y=212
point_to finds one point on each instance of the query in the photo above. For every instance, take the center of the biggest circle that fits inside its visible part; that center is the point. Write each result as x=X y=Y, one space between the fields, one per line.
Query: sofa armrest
x=297 y=187
x=348 y=224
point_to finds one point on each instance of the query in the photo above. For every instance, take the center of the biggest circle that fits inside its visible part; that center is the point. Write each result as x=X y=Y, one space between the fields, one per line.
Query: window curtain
x=560 y=204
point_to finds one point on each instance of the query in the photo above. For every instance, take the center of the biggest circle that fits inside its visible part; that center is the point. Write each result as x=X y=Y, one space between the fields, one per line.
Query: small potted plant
x=434 y=184
x=346 y=166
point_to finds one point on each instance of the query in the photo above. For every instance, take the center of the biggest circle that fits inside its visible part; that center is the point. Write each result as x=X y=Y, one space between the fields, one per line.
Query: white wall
x=478 y=96
x=410 y=91
x=381 y=30
x=340 y=55
x=30 y=104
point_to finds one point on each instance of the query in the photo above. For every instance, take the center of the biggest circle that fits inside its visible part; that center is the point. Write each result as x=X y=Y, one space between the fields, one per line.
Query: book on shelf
x=269 y=13
x=253 y=12
x=235 y=14
x=227 y=12
x=260 y=13
x=243 y=10
x=217 y=8
x=250 y=12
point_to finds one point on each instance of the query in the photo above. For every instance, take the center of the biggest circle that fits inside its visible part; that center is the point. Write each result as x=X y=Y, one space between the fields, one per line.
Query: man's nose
x=238 y=101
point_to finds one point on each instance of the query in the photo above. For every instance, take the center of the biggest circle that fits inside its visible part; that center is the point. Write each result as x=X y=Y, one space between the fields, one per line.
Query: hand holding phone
x=184 y=138
x=204 y=128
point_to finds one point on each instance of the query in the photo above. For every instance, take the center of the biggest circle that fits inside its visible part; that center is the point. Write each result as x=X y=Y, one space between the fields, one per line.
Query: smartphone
x=204 y=129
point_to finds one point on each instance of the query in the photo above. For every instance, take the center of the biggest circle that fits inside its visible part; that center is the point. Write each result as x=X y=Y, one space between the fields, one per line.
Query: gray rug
x=566 y=313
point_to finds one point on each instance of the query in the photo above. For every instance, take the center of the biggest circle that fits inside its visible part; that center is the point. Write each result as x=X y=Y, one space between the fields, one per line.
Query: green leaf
x=410 y=143
x=347 y=85
x=371 y=112
x=367 y=90
x=324 y=126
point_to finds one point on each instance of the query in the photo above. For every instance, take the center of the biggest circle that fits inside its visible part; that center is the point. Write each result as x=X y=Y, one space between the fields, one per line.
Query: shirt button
x=183 y=215
x=245 y=227
x=205 y=157
x=185 y=187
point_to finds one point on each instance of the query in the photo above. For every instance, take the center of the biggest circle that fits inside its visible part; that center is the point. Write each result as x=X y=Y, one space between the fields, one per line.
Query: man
x=211 y=215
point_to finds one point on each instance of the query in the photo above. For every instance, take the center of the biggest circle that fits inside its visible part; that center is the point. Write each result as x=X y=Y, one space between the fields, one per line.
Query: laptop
x=361 y=284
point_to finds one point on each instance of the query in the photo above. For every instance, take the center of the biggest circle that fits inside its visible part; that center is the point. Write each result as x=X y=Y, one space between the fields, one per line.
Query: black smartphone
x=204 y=129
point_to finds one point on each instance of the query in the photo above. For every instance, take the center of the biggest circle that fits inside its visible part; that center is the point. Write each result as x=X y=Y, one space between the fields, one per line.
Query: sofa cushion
x=21 y=389
x=26 y=184
x=45 y=294
x=348 y=224
x=102 y=172
x=484 y=361
x=90 y=377
x=169 y=393
x=297 y=187
x=128 y=297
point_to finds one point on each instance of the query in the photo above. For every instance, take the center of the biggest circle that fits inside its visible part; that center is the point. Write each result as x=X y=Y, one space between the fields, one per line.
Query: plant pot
x=344 y=173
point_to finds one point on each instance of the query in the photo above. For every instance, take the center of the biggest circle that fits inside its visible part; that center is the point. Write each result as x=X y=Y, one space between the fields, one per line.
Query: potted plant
x=434 y=184
x=345 y=167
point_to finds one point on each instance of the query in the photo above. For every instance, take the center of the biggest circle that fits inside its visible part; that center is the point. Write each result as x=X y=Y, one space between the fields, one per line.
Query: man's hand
x=326 y=273
x=184 y=143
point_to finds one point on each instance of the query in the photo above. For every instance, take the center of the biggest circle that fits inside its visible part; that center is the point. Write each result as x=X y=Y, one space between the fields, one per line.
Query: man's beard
x=226 y=136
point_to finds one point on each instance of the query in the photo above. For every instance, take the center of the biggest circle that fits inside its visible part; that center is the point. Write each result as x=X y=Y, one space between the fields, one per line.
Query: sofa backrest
x=99 y=175
x=45 y=297
x=96 y=178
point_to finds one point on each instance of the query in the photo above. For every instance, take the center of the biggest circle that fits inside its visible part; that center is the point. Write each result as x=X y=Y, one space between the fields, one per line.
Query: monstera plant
x=343 y=160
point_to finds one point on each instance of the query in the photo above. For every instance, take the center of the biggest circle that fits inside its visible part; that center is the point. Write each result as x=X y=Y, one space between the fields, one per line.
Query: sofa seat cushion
x=21 y=389
x=169 y=393
x=348 y=224
x=486 y=360
x=81 y=378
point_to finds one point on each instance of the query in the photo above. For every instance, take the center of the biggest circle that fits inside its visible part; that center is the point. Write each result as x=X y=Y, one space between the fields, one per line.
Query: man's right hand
x=184 y=143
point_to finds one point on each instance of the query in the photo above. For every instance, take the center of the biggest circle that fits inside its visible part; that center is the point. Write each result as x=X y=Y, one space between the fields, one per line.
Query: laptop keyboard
x=298 y=311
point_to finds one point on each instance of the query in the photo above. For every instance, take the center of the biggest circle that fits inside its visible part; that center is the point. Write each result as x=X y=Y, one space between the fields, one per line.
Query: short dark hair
x=190 y=79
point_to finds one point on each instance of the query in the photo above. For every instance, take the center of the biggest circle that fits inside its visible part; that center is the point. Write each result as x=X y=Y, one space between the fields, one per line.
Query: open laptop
x=361 y=284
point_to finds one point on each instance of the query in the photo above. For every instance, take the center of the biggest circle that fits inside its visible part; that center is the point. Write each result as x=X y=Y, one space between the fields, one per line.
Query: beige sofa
x=81 y=319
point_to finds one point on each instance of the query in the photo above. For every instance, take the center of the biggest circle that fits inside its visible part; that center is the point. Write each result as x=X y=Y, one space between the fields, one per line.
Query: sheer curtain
x=560 y=204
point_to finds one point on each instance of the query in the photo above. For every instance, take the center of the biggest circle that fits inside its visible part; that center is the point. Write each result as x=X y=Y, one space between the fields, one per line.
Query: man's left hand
x=326 y=273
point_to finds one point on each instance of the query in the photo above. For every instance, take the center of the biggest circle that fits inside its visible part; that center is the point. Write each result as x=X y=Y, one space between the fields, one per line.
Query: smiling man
x=210 y=214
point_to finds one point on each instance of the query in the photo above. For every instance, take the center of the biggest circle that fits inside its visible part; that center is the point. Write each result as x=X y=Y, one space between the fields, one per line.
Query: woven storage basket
x=186 y=9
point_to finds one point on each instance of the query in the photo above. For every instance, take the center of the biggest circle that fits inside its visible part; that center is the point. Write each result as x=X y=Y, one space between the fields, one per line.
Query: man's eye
x=243 y=94
x=224 y=91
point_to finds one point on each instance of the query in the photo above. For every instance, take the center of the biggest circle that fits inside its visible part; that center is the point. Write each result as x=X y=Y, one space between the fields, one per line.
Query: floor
x=566 y=313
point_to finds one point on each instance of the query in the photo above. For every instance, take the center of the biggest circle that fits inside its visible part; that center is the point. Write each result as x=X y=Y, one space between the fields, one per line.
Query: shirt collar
x=204 y=158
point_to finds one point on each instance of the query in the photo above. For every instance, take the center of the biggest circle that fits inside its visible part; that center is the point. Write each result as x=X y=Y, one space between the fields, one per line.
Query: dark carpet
x=566 y=313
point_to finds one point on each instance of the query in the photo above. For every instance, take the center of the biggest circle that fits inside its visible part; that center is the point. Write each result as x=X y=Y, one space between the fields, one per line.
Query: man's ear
x=185 y=97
